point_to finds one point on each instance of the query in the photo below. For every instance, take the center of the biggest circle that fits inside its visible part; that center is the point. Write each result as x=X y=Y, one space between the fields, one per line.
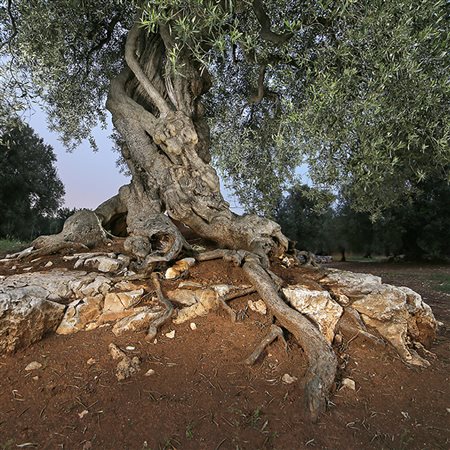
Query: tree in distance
x=30 y=189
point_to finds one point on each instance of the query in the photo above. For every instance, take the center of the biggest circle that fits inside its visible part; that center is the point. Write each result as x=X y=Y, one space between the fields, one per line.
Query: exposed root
x=165 y=316
x=50 y=249
x=322 y=360
x=240 y=293
x=275 y=332
x=230 y=311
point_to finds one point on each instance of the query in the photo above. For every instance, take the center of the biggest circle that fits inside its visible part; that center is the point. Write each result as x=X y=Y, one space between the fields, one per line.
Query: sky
x=90 y=177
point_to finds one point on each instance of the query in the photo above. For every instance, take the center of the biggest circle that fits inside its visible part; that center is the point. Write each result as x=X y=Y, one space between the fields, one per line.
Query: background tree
x=30 y=189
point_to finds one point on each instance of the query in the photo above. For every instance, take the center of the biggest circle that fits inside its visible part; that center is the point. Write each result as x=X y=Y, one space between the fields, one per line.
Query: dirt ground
x=201 y=396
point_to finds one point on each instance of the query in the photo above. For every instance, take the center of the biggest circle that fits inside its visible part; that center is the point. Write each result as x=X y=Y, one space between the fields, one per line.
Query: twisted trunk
x=166 y=147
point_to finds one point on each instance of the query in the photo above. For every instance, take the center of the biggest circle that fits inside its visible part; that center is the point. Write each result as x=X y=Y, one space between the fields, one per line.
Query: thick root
x=165 y=316
x=322 y=360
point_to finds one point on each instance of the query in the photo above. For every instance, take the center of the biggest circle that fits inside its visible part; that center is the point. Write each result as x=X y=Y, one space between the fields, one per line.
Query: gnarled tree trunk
x=159 y=115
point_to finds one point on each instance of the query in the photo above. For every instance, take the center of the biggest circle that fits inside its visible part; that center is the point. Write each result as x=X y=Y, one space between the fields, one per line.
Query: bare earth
x=201 y=396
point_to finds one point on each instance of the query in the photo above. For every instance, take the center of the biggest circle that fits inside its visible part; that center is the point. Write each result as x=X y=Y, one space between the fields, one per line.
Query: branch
x=133 y=64
x=13 y=25
x=264 y=20
x=254 y=99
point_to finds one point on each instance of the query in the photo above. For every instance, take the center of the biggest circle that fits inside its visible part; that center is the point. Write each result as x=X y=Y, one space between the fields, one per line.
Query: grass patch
x=441 y=282
x=12 y=245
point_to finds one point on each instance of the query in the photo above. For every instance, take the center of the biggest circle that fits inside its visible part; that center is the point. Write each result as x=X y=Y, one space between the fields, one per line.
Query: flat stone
x=288 y=379
x=349 y=384
x=34 y=365
x=185 y=297
x=79 y=313
x=139 y=321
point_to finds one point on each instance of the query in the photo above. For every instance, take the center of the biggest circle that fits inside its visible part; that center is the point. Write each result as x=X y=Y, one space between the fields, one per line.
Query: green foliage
x=358 y=90
x=30 y=190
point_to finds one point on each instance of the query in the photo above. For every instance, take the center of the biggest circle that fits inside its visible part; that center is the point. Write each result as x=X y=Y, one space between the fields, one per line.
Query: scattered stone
x=317 y=306
x=127 y=367
x=83 y=413
x=348 y=383
x=259 y=306
x=288 y=379
x=91 y=361
x=115 y=352
x=103 y=263
x=130 y=347
x=117 y=302
x=34 y=365
x=171 y=334
x=26 y=269
x=207 y=301
x=149 y=373
x=35 y=378
x=49 y=264
x=193 y=326
x=222 y=289
x=179 y=268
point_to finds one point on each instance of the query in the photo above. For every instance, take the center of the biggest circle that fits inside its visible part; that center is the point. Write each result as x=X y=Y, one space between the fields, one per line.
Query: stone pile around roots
x=67 y=301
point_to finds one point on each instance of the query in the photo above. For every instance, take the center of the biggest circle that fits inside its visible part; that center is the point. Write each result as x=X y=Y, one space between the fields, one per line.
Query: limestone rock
x=385 y=310
x=288 y=379
x=103 y=263
x=207 y=301
x=80 y=313
x=179 y=268
x=127 y=366
x=349 y=384
x=186 y=297
x=26 y=316
x=422 y=325
x=139 y=321
x=34 y=365
x=317 y=306
x=259 y=306
x=117 y=302
x=350 y=284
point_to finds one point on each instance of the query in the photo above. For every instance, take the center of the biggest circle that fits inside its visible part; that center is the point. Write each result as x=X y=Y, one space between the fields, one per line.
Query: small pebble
x=149 y=372
x=83 y=413
x=193 y=326
x=288 y=379
x=49 y=264
x=171 y=334
x=130 y=347
x=26 y=269
x=35 y=378
x=91 y=361
x=34 y=365
x=349 y=383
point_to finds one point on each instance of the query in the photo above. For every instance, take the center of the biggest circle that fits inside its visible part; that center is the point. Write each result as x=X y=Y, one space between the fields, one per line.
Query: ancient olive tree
x=155 y=63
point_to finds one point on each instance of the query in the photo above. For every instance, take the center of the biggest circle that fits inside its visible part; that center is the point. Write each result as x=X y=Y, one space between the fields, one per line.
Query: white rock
x=49 y=264
x=130 y=347
x=222 y=289
x=150 y=372
x=26 y=314
x=259 y=306
x=83 y=413
x=91 y=361
x=348 y=383
x=350 y=284
x=103 y=263
x=171 y=334
x=27 y=269
x=193 y=326
x=80 y=313
x=317 y=306
x=139 y=321
x=288 y=379
x=186 y=297
x=34 y=365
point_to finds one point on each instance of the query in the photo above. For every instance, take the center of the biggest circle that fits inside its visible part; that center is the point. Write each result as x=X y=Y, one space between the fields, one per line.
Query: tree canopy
x=30 y=189
x=356 y=90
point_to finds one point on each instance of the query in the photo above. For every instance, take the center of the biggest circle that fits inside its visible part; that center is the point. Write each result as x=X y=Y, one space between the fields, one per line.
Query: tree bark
x=166 y=147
